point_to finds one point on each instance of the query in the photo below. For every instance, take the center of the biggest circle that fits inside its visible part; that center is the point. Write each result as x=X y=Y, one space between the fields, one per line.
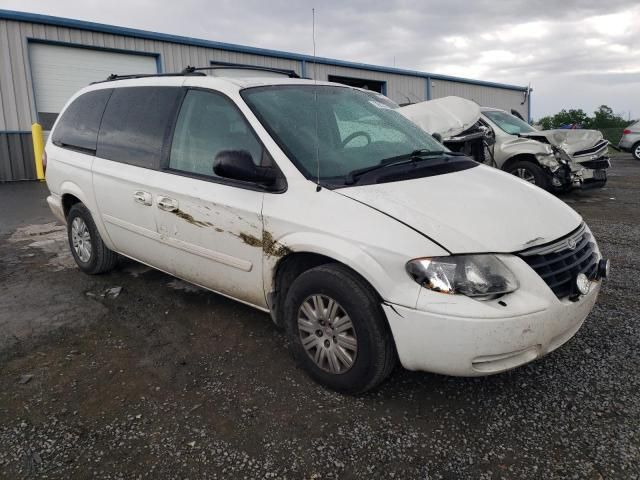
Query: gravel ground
x=135 y=374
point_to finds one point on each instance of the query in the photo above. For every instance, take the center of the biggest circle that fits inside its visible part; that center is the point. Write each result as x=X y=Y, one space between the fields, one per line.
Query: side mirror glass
x=238 y=165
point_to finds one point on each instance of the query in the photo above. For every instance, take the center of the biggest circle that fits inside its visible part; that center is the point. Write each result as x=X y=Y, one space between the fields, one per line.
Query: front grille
x=558 y=264
x=601 y=145
x=598 y=164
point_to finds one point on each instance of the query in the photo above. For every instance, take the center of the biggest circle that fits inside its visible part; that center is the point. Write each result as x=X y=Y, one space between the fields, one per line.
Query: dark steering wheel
x=359 y=133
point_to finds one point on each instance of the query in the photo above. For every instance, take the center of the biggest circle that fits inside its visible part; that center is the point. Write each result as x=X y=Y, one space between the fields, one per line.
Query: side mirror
x=516 y=113
x=437 y=136
x=238 y=165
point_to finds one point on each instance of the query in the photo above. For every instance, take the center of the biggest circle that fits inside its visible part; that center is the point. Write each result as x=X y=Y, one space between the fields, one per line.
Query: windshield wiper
x=413 y=157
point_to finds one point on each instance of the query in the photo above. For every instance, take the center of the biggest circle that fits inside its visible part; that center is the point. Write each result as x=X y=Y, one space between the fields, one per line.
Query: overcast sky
x=576 y=54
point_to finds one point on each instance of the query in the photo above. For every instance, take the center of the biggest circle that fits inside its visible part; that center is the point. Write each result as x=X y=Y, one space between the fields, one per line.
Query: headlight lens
x=470 y=275
x=549 y=161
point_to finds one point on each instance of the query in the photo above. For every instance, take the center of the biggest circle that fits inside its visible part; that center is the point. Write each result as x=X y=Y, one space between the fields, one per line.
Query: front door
x=214 y=224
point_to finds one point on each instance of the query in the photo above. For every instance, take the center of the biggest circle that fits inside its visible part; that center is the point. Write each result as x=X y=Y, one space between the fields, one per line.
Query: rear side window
x=78 y=127
x=137 y=123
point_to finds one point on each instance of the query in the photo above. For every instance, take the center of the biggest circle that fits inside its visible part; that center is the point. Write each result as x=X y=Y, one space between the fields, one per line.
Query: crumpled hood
x=571 y=141
x=478 y=210
x=448 y=116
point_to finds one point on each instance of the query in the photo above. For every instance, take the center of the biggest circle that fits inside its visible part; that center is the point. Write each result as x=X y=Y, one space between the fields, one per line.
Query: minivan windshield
x=339 y=129
x=508 y=123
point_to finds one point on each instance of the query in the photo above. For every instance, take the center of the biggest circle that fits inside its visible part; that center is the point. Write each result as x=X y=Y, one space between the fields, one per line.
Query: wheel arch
x=71 y=194
x=291 y=266
x=68 y=201
x=520 y=157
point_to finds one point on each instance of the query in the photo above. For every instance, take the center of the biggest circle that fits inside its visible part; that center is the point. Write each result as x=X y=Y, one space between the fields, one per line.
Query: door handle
x=143 y=198
x=167 y=204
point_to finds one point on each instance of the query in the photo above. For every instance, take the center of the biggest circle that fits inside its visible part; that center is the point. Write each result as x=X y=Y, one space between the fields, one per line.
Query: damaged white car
x=552 y=159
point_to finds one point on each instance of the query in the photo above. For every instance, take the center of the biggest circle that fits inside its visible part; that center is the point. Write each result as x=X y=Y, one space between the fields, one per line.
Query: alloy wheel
x=327 y=334
x=81 y=239
x=525 y=174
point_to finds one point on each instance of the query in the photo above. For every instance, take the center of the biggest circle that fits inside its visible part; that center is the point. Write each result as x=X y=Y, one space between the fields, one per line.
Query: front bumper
x=590 y=173
x=456 y=335
x=593 y=178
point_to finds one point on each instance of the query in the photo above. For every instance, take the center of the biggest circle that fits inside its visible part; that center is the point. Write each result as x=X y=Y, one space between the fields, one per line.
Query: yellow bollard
x=38 y=148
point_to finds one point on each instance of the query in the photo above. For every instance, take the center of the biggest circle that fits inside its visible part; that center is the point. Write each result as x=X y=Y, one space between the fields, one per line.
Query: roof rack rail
x=197 y=71
x=114 y=76
x=194 y=70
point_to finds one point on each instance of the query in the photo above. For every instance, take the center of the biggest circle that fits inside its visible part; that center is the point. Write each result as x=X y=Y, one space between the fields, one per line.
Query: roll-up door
x=60 y=71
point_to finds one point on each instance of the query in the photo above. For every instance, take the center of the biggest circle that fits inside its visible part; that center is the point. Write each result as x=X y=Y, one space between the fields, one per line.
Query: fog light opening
x=604 y=267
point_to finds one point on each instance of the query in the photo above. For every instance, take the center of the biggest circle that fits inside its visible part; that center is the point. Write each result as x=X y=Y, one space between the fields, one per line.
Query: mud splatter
x=250 y=239
x=270 y=247
x=273 y=248
x=189 y=218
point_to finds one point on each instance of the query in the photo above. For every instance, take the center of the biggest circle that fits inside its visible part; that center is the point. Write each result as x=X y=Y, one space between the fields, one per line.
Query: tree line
x=602 y=118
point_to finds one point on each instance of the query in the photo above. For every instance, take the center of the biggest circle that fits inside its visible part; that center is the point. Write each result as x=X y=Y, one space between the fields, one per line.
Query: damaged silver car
x=552 y=159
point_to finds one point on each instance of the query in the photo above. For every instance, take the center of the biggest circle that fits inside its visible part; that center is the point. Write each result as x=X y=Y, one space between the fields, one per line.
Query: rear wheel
x=635 y=151
x=337 y=329
x=89 y=251
x=530 y=172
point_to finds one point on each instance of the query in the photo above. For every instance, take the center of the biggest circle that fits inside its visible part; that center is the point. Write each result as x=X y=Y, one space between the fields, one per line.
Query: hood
x=478 y=210
x=571 y=141
x=448 y=116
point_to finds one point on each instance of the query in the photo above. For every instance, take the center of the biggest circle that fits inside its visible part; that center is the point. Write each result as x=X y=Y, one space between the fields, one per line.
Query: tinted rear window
x=137 y=123
x=78 y=127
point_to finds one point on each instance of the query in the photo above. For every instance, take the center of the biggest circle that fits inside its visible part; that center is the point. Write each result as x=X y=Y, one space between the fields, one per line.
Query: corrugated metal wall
x=16 y=92
x=483 y=95
x=16 y=146
x=400 y=88
x=18 y=109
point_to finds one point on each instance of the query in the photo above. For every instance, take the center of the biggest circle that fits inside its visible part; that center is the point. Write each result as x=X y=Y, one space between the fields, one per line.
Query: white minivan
x=363 y=237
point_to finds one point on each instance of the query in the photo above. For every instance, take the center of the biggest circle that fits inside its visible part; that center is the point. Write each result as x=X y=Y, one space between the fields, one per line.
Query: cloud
x=575 y=53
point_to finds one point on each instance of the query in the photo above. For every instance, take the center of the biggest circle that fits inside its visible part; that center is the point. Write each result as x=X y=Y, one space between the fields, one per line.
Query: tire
x=374 y=356
x=95 y=259
x=635 y=151
x=530 y=172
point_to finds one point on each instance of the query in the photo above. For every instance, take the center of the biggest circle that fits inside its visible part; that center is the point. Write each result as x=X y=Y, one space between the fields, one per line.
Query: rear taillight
x=626 y=131
x=44 y=160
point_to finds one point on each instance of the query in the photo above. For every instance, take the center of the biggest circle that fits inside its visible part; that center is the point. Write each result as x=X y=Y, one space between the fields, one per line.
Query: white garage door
x=59 y=71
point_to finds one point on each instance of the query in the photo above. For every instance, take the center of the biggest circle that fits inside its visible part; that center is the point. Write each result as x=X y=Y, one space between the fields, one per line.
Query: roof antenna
x=315 y=90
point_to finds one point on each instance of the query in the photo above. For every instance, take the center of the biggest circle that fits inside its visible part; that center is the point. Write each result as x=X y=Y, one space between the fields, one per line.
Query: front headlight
x=560 y=155
x=549 y=161
x=470 y=275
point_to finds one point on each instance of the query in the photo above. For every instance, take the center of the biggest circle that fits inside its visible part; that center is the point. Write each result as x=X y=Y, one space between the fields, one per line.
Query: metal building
x=44 y=60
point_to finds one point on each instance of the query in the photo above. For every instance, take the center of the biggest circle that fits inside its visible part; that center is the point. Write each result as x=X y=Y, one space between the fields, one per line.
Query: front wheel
x=530 y=172
x=337 y=329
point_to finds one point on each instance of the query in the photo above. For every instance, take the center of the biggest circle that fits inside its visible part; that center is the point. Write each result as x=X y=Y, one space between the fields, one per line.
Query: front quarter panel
x=373 y=244
x=510 y=146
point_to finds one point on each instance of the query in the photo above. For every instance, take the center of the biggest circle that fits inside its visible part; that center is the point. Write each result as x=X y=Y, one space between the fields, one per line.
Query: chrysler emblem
x=571 y=243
